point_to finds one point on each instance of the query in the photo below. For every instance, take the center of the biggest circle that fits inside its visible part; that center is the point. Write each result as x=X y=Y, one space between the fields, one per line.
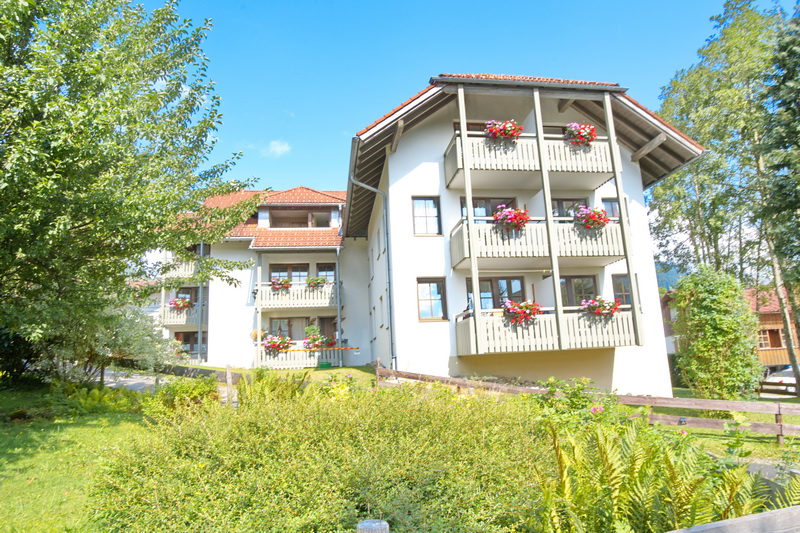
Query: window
x=293 y=327
x=495 y=291
x=611 y=205
x=289 y=218
x=187 y=292
x=195 y=249
x=296 y=273
x=188 y=340
x=771 y=338
x=471 y=126
x=553 y=130
x=622 y=288
x=426 y=216
x=577 y=288
x=485 y=207
x=567 y=207
x=431 y=299
x=327 y=271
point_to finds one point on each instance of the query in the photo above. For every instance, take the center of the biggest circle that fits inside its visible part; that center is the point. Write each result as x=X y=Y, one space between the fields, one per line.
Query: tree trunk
x=781 y=292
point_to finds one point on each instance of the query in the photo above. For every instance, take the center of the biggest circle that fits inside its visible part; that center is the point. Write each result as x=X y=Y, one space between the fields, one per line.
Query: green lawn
x=47 y=465
x=764 y=447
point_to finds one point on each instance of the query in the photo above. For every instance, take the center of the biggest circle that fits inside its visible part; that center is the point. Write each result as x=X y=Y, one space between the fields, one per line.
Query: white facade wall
x=355 y=315
x=417 y=169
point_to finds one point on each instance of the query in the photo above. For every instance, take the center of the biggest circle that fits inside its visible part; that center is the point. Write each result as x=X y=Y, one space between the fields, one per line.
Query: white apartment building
x=404 y=257
x=294 y=235
x=415 y=171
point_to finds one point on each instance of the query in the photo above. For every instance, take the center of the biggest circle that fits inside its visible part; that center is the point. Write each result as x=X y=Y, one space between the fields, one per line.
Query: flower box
x=592 y=218
x=316 y=282
x=180 y=303
x=507 y=129
x=318 y=342
x=599 y=306
x=580 y=134
x=279 y=284
x=510 y=218
x=521 y=312
x=276 y=343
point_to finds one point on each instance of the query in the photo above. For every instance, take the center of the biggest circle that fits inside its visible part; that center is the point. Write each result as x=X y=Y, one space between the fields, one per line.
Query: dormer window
x=298 y=218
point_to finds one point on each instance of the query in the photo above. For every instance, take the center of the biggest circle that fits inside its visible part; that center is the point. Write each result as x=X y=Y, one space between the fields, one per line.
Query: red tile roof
x=296 y=238
x=248 y=229
x=534 y=79
x=396 y=109
x=767 y=301
x=304 y=195
x=227 y=200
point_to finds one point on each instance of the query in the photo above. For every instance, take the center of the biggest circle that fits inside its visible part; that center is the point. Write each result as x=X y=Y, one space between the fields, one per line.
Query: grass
x=764 y=447
x=47 y=465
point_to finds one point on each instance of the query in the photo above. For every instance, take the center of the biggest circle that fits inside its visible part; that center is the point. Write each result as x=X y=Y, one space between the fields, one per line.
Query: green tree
x=704 y=214
x=106 y=120
x=716 y=336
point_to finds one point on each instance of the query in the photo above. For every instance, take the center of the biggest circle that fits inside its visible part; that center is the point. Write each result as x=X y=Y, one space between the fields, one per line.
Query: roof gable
x=303 y=195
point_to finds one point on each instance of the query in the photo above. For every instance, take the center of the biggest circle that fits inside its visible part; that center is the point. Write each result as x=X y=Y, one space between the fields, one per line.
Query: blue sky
x=298 y=78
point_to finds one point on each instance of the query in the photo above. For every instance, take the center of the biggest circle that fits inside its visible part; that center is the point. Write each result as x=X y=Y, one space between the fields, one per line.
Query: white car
x=778 y=382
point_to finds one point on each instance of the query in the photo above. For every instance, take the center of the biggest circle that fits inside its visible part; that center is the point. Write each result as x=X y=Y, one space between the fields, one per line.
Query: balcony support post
x=552 y=239
x=472 y=237
x=624 y=220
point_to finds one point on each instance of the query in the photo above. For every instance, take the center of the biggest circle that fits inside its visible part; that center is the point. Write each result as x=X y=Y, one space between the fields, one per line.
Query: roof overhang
x=659 y=148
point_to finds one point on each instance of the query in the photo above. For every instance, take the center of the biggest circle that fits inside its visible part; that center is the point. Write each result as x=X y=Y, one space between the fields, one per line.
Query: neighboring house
x=772 y=349
x=294 y=235
x=424 y=181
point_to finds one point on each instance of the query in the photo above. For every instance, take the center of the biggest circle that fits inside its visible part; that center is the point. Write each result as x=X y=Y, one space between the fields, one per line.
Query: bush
x=422 y=459
x=181 y=394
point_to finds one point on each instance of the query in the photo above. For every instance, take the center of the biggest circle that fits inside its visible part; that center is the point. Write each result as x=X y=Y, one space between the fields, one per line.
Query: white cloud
x=275 y=148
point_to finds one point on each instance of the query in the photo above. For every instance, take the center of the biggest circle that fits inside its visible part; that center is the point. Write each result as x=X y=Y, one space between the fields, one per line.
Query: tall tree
x=106 y=118
x=704 y=213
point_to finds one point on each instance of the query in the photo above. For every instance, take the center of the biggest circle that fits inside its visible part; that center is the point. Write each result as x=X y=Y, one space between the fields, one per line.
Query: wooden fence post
x=376 y=526
x=779 y=420
x=229 y=383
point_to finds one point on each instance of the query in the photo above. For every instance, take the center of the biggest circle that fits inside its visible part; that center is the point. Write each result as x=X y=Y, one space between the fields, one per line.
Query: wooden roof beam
x=563 y=105
x=398 y=131
x=649 y=147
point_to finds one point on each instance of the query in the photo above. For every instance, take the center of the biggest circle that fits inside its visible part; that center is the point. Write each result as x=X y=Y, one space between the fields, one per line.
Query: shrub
x=180 y=394
x=422 y=459
x=265 y=385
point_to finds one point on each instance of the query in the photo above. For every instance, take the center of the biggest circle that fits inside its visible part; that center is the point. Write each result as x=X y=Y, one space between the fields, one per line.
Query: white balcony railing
x=183 y=269
x=295 y=296
x=584 y=330
x=523 y=155
x=180 y=317
x=580 y=330
x=573 y=240
x=577 y=241
x=297 y=357
x=494 y=241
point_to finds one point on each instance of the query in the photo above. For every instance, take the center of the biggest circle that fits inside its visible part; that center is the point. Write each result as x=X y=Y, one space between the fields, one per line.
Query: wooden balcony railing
x=297 y=357
x=580 y=330
x=295 y=296
x=523 y=155
x=577 y=241
x=181 y=317
x=573 y=240
x=184 y=269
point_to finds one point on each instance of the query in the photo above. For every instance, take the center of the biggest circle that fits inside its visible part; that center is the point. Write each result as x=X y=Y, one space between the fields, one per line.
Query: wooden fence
x=778 y=409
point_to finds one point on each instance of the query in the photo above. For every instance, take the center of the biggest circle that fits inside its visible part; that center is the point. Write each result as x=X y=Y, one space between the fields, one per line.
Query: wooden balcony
x=573 y=167
x=296 y=357
x=580 y=330
x=496 y=247
x=591 y=247
x=183 y=269
x=181 y=317
x=295 y=297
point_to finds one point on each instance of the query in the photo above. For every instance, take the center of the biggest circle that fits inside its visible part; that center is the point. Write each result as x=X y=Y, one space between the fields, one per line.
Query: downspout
x=200 y=311
x=389 y=300
x=338 y=304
